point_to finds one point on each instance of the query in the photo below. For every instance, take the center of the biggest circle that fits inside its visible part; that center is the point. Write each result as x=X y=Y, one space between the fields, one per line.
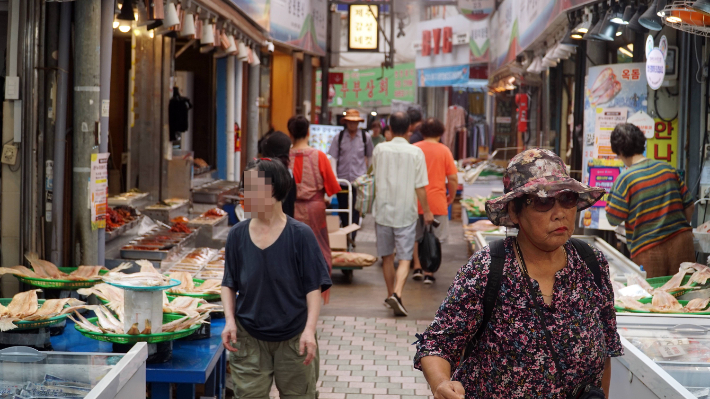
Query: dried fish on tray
x=175 y=326
x=25 y=311
x=189 y=306
x=147 y=277
x=211 y=274
x=663 y=302
x=45 y=274
x=196 y=288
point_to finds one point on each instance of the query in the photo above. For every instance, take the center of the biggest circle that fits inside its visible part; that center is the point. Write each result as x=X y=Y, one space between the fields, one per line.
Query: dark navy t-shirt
x=273 y=283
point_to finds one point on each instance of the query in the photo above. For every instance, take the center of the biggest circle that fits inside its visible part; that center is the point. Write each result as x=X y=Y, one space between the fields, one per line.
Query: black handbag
x=429 y=251
x=584 y=391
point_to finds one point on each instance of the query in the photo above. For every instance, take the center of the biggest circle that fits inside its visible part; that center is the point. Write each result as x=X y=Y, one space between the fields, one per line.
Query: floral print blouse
x=512 y=359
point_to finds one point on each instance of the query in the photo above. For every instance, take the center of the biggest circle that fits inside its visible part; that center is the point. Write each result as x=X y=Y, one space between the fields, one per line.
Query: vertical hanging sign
x=363 y=32
x=99 y=190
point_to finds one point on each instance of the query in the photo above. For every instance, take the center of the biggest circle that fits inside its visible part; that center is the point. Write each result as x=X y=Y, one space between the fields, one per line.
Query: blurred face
x=547 y=230
x=257 y=194
x=376 y=130
x=352 y=126
x=388 y=135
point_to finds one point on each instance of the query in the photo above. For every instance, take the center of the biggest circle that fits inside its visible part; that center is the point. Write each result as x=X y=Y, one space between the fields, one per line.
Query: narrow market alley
x=366 y=353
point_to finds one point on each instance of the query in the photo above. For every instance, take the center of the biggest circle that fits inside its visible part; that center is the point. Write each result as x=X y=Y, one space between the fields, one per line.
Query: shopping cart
x=347 y=270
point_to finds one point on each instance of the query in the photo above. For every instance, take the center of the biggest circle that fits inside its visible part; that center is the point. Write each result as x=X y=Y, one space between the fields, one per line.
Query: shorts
x=258 y=364
x=399 y=238
x=441 y=232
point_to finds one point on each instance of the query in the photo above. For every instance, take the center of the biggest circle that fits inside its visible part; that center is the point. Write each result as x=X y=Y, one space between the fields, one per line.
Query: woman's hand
x=229 y=335
x=450 y=390
x=308 y=343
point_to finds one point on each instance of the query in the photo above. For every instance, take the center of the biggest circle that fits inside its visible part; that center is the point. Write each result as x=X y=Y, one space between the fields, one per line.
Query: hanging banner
x=300 y=23
x=664 y=144
x=476 y=10
x=613 y=94
x=442 y=77
x=479 y=43
x=363 y=29
x=371 y=88
x=98 y=189
x=258 y=10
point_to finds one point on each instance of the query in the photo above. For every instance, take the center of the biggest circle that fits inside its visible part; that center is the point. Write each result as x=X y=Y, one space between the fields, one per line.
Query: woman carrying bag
x=532 y=316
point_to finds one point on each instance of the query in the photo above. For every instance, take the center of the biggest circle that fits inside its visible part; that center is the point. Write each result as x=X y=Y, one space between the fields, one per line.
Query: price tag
x=671 y=351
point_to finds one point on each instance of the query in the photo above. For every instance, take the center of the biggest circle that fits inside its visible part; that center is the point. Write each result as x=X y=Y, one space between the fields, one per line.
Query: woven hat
x=541 y=173
x=353 y=115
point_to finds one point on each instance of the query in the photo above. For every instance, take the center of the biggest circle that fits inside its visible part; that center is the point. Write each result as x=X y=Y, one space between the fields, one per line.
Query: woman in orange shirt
x=314 y=179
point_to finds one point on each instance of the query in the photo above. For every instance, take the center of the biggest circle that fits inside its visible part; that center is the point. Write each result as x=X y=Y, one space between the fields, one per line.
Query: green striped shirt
x=651 y=198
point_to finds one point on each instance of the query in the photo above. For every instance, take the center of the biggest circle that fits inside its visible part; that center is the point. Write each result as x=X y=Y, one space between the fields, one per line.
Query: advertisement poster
x=322 y=136
x=300 y=23
x=442 y=77
x=371 y=88
x=476 y=10
x=613 y=93
x=480 y=43
x=98 y=186
x=257 y=10
x=664 y=144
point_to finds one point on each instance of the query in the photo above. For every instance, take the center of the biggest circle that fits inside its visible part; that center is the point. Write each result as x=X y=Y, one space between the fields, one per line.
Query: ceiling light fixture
x=650 y=19
x=634 y=24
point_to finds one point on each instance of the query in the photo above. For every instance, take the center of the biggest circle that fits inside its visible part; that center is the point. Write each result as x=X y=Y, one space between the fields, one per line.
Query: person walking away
x=550 y=327
x=314 y=179
x=277 y=146
x=353 y=150
x=400 y=178
x=275 y=264
x=376 y=135
x=654 y=204
x=440 y=169
x=415 y=124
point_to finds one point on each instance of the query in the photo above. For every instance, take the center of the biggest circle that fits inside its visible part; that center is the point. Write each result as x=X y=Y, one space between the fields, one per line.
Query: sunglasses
x=566 y=200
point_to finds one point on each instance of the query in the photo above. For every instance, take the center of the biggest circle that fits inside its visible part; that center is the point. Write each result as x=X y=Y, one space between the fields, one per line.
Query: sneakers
x=396 y=304
x=418 y=275
x=387 y=305
x=429 y=279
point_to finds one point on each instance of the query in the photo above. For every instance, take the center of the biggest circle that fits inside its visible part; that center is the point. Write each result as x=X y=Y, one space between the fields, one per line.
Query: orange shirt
x=439 y=164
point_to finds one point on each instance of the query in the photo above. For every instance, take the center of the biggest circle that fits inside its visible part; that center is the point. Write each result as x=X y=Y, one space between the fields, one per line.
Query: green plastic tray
x=61 y=284
x=648 y=300
x=132 y=339
x=206 y=297
x=29 y=325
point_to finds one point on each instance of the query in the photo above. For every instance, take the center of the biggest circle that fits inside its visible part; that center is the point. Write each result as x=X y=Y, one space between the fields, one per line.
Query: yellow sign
x=664 y=144
x=363 y=32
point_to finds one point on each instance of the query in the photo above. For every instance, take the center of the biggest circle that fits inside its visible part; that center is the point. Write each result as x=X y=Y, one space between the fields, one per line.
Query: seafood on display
x=697 y=305
x=632 y=278
x=107 y=323
x=664 y=302
x=147 y=277
x=47 y=270
x=112 y=295
x=25 y=307
x=189 y=306
x=187 y=286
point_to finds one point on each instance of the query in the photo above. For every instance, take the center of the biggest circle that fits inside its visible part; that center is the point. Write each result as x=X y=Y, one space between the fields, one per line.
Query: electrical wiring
x=19 y=146
x=655 y=106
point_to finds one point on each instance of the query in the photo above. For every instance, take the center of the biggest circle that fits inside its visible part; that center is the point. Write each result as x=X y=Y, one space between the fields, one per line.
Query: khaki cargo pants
x=258 y=364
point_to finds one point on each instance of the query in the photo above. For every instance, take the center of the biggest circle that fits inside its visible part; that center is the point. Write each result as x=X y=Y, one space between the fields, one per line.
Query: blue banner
x=442 y=77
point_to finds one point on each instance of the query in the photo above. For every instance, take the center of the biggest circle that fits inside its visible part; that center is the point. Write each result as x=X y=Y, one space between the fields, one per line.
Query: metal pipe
x=87 y=32
x=107 y=9
x=60 y=133
x=52 y=48
x=253 y=109
x=229 y=130
x=325 y=67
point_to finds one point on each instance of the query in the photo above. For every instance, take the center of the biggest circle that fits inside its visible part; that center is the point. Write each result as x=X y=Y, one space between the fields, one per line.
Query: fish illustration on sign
x=605 y=88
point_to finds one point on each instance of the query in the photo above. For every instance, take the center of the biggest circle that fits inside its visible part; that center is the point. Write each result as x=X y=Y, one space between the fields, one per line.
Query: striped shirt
x=651 y=198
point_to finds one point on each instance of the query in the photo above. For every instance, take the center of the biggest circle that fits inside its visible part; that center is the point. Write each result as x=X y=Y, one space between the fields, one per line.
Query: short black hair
x=375 y=122
x=275 y=173
x=415 y=115
x=298 y=127
x=277 y=145
x=628 y=140
x=399 y=122
x=432 y=127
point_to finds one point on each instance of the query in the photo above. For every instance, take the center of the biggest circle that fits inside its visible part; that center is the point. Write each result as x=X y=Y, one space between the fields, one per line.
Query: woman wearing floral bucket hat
x=547 y=328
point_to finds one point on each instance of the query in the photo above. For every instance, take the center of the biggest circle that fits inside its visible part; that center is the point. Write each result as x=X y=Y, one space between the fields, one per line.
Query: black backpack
x=495 y=275
x=178 y=108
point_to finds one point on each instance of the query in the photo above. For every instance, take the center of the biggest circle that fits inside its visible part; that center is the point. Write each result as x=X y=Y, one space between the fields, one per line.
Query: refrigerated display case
x=618 y=263
x=87 y=375
x=665 y=356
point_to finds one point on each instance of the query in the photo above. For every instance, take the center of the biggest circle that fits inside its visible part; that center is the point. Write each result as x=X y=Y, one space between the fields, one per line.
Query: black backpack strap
x=490 y=295
x=587 y=254
x=340 y=140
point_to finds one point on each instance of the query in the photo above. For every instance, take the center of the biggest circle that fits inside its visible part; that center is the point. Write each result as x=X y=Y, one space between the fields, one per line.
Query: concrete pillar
x=87 y=71
x=253 y=109
x=107 y=8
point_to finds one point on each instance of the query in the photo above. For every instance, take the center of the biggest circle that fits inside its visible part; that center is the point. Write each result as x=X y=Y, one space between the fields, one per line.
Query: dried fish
x=187 y=286
x=664 y=302
x=697 y=305
x=147 y=329
x=673 y=285
x=133 y=330
x=631 y=304
x=632 y=278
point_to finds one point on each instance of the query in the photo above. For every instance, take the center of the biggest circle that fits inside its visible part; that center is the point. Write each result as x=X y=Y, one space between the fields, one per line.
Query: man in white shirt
x=400 y=179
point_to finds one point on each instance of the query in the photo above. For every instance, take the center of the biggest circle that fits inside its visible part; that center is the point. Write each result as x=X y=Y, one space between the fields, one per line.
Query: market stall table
x=193 y=362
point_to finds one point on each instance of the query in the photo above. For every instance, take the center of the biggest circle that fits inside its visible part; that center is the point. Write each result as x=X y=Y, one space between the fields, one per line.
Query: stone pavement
x=367 y=353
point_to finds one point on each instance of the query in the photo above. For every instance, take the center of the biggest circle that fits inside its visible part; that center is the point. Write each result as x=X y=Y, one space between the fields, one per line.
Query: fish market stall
x=30 y=373
x=167 y=210
x=619 y=265
x=133 y=199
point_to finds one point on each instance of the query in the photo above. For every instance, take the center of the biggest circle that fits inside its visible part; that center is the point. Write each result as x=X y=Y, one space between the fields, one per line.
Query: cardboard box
x=333 y=222
x=339 y=239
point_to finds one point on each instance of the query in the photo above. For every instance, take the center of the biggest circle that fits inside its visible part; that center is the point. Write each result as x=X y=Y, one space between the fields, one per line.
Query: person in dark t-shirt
x=275 y=264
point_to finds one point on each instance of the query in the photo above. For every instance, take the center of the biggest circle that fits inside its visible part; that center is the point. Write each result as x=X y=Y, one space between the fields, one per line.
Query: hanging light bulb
x=629 y=13
x=594 y=26
x=254 y=58
x=650 y=19
x=232 y=49
x=616 y=16
x=171 y=16
x=126 y=17
x=634 y=24
x=702 y=6
x=207 y=34
x=607 y=29
x=243 y=51
x=583 y=26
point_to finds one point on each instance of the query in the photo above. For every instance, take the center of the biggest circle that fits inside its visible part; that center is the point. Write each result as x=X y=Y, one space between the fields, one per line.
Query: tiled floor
x=367 y=358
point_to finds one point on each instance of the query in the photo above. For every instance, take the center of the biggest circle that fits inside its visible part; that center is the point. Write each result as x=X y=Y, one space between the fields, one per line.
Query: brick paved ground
x=368 y=358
